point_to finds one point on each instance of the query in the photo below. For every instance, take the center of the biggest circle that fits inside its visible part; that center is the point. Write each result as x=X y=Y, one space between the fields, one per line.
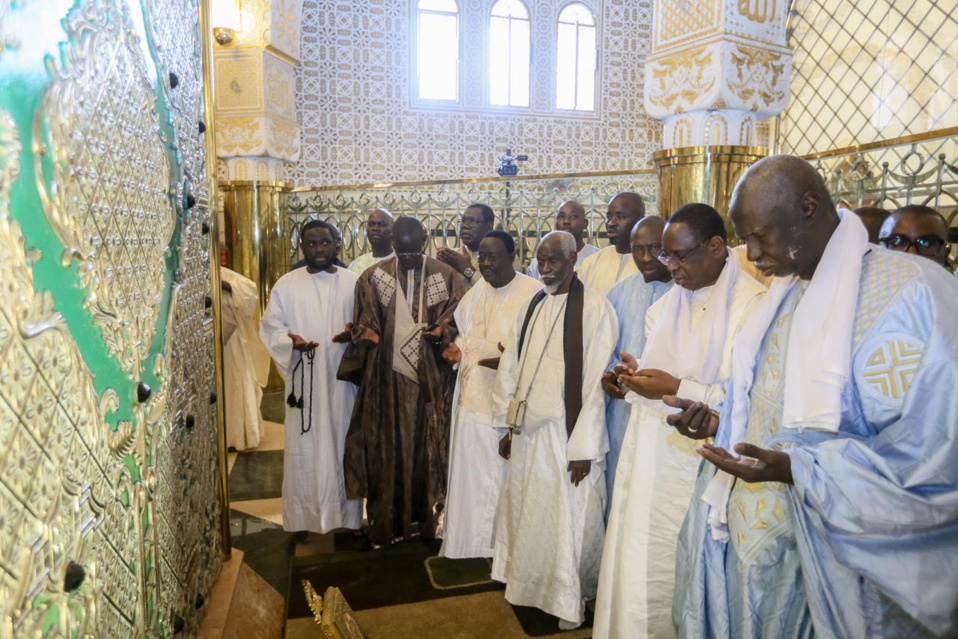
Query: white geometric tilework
x=359 y=124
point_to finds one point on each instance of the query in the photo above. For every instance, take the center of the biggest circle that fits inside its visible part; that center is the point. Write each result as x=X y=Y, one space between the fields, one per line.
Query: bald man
x=614 y=263
x=398 y=440
x=549 y=529
x=839 y=519
x=570 y=217
x=379 y=234
x=919 y=230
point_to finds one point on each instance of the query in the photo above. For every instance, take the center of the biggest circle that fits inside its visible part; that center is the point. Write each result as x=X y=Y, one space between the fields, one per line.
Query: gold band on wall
x=703 y=174
x=222 y=485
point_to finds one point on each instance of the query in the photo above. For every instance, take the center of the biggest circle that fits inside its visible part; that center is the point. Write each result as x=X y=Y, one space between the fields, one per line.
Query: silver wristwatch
x=469 y=272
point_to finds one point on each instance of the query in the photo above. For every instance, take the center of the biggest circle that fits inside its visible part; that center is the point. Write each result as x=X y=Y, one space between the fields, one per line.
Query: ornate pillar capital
x=717 y=67
x=256 y=128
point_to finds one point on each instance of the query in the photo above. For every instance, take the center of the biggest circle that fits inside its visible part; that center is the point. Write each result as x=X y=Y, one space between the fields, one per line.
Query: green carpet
x=389 y=576
x=273 y=407
x=447 y=573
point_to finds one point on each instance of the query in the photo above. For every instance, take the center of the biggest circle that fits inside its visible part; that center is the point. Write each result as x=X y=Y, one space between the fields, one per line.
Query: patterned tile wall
x=359 y=123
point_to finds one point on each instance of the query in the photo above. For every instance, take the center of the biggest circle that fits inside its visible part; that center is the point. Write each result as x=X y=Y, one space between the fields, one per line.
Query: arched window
x=509 y=54
x=437 y=44
x=576 y=59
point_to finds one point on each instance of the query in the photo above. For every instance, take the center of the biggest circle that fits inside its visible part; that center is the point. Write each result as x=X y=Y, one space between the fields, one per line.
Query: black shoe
x=301 y=537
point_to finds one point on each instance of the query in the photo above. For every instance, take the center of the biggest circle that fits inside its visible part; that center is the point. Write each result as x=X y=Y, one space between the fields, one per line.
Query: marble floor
x=251 y=596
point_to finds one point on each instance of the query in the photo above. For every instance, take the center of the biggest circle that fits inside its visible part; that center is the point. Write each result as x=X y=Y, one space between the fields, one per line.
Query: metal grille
x=892 y=176
x=870 y=70
x=525 y=208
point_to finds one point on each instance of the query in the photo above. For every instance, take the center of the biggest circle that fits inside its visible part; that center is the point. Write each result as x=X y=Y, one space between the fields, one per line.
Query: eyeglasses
x=410 y=254
x=925 y=245
x=471 y=221
x=652 y=249
x=666 y=258
x=489 y=257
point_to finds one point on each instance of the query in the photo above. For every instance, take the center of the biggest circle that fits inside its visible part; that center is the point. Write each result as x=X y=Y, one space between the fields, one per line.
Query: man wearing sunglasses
x=918 y=230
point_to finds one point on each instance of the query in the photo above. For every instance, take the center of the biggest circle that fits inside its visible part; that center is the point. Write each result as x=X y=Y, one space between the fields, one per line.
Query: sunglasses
x=925 y=245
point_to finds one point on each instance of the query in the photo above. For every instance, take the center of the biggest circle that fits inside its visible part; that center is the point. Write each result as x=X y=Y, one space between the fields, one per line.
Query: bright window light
x=576 y=59
x=509 y=54
x=438 y=49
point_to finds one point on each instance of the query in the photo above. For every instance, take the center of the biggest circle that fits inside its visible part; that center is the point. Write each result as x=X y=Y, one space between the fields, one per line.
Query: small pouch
x=515 y=415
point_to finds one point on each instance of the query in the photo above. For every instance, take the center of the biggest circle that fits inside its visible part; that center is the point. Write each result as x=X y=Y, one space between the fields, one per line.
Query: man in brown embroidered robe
x=398 y=441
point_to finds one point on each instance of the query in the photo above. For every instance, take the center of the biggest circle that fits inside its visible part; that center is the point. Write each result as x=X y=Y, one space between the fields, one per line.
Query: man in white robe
x=379 y=234
x=687 y=354
x=245 y=361
x=570 y=217
x=307 y=308
x=603 y=269
x=476 y=471
x=549 y=528
x=631 y=299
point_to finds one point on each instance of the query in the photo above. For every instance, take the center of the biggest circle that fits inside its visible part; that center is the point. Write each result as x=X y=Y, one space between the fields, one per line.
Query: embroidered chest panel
x=759 y=513
x=385 y=285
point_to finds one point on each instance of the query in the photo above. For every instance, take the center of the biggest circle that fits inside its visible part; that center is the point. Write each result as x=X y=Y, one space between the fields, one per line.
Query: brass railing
x=917 y=169
x=525 y=206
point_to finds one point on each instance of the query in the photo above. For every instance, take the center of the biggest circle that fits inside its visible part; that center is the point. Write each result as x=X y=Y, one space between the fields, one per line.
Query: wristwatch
x=469 y=272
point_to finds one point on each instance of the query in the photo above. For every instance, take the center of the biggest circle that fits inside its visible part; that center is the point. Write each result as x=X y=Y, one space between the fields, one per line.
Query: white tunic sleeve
x=508 y=374
x=274 y=325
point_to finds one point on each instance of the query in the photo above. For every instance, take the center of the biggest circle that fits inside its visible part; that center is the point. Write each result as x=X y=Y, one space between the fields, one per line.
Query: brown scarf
x=571 y=347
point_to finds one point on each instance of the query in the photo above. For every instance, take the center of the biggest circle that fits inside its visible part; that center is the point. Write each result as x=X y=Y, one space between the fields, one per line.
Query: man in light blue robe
x=845 y=522
x=631 y=299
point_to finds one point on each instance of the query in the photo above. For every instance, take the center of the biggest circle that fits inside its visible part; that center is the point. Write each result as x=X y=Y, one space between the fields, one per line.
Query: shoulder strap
x=572 y=353
x=538 y=297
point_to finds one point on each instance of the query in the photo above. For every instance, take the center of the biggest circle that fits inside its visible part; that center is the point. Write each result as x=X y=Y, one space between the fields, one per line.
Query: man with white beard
x=307 y=308
x=688 y=353
x=476 y=472
x=549 y=525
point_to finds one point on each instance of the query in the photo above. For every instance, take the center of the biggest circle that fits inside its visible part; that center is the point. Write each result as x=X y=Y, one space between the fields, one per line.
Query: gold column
x=258 y=239
x=257 y=232
x=703 y=174
x=222 y=485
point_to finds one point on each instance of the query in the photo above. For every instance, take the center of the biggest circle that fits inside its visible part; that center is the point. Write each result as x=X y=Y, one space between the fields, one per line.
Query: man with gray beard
x=559 y=346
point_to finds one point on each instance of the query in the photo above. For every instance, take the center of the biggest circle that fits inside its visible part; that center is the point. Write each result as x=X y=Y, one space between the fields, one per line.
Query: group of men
x=647 y=425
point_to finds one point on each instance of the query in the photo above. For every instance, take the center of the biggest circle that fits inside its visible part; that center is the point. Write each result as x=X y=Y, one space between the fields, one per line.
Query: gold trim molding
x=868 y=146
x=485 y=180
x=252 y=185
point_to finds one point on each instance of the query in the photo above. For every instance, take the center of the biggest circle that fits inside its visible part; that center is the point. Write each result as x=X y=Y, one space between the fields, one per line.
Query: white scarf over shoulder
x=672 y=344
x=818 y=357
